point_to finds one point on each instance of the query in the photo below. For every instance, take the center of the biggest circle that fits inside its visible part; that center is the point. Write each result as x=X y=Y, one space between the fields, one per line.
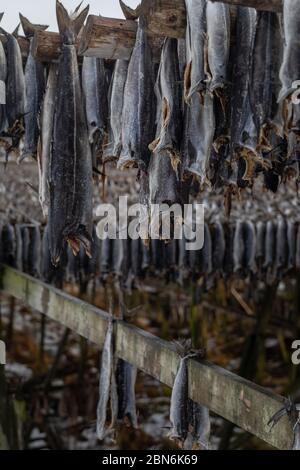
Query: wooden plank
x=165 y=17
x=47 y=46
x=263 y=5
x=242 y=402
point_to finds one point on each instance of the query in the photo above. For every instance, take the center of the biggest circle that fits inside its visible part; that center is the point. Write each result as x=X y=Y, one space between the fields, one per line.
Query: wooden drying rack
x=110 y=38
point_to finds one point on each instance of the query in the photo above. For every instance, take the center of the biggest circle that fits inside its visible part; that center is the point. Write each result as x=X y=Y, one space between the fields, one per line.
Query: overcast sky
x=43 y=11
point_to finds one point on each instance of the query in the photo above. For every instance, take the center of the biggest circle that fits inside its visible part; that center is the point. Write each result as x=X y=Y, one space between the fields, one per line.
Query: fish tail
x=70 y=25
x=130 y=13
x=30 y=28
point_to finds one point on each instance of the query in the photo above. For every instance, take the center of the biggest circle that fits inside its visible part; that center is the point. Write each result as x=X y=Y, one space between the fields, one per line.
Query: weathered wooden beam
x=165 y=17
x=47 y=46
x=264 y=5
x=244 y=403
x=109 y=38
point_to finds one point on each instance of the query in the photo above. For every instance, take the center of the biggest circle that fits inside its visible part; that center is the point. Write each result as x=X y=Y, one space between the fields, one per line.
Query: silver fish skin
x=290 y=69
x=206 y=253
x=15 y=83
x=218 y=37
x=219 y=247
x=25 y=248
x=181 y=46
x=169 y=102
x=201 y=131
x=3 y=77
x=114 y=145
x=179 y=404
x=250 y=247
x=47 y=122
x=196 y=42
x=126 y=379
x=246 y=26
x=281 y=245
x=19 y=247
x=164 y=185
x=292 y=243
x=95 y=91
x=260 y=241
x=49 y=273
x=298 y=248
x=270 y=245
x=107 y=360
x=34 y=255
x=199 y=422
x=71 y=172
x=239 y=247
x=138 y=117
x=35 y=84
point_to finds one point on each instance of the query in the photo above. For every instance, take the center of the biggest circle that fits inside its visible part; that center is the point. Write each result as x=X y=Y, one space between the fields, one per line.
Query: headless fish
x=47 y=122
x=298 y=249
x=136 y=258
x=196 y=44
x=35 y=84
x=71 y=175
x=19 y=248
x=218 y=37
x=15 y=85
x=25 y=248
x=281 y=245
x=126 y=379
x=260 y=241
x=179 y=405
x=292 y=243
x=290 y=69
x=95 y=91
x=138 y=117
x=169 y=99
x=3 y=77
x=106 y=256
x=270 y=245
x=105 y=381
x=8 y=240
x=219 y=247
x=122 y=259
x=229 y=243
x=114 y=146
x=206 y=253
x=34 y=252
x=199 y=425
x=250 y=247
x=239 y=247
x=49 y=273
x=201 y=131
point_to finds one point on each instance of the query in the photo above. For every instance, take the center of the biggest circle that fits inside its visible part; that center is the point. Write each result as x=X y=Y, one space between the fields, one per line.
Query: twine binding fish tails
x=71 y=178
x=292 y=411
x=190 y=421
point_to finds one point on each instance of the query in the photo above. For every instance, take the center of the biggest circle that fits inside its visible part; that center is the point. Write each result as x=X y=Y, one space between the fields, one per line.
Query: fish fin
x=130 y=13
x=30 y=28
x=78 y=7
x=1 y=16
x=15 y=33
x=68 y=25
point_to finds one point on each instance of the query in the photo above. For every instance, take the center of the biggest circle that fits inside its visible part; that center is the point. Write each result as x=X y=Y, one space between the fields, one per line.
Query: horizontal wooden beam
x=165 y=17
x=244 y=403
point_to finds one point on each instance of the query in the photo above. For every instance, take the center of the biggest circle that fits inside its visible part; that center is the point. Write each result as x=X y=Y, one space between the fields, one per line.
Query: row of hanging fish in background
x=220 y=110
x=269 y=250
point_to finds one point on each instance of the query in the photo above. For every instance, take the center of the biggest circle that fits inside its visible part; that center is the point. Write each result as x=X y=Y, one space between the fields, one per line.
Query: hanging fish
x=290 y=69
x=281 y=246
x=47 y=122
x=19 y=248
x=229 y=243
x=15 y=87
x=250 y=247
x=239 y=247
x=113 y=149
x=34 y=92
x=34 y=252
x=179 y=405
x=195 y=77
x=260 y=242
x=199 y=425
x=136 y=259
x=95 y=91
x=105 y=380
x=200 y=135
x=264 y=79
x=3 y=77
x=8 y=242
x=218 y=247
x=130 y=13
x=125 y=379
x=218 y=44
x=25 y=248
x=298 y=248
x=138 y=117
x=107 y=249
x=206 y=253
x=169 y=100
x=270 y=249
x=49 y=273
x=292 y=243
x=70 y=182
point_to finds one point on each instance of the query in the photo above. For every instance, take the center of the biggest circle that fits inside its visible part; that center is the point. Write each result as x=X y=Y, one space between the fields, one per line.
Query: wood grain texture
x=244 y=403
